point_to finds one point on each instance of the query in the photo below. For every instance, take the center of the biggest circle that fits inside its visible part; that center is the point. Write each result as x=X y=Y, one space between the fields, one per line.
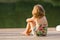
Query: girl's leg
x=33 y=28
x=28 y=29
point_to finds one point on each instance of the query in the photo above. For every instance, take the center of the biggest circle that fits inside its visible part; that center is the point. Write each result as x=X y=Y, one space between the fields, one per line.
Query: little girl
x=37 y=24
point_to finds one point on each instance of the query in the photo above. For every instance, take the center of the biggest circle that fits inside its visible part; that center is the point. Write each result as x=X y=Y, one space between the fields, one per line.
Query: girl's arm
x=29 y=20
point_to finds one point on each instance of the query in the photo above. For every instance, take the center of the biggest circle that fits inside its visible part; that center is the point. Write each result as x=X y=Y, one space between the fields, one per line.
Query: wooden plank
x=14 y=34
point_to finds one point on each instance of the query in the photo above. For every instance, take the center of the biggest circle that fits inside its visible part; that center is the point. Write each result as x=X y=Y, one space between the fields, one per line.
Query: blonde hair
x=40 y=11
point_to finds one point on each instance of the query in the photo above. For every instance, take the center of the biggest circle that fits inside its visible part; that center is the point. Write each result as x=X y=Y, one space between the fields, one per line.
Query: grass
x=13 y=15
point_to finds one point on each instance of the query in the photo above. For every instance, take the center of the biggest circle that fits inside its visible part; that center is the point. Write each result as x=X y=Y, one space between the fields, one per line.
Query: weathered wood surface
x=14 y=34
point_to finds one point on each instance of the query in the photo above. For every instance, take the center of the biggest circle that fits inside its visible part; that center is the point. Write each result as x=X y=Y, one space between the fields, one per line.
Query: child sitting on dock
x=37 y=24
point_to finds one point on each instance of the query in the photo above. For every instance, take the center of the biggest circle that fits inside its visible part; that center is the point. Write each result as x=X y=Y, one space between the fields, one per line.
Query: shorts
x=42 y=31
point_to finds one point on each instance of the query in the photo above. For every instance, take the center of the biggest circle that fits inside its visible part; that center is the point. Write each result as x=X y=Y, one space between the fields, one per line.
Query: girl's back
x=41 y=26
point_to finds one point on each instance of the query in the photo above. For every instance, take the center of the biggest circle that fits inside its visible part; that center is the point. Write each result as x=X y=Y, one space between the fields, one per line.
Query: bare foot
x=24 y=33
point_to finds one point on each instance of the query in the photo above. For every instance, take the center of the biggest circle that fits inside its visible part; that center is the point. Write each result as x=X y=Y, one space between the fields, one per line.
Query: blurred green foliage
x=13 y=15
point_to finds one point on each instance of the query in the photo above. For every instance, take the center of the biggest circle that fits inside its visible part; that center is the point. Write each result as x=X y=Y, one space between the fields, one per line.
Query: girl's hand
x=29 y=20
